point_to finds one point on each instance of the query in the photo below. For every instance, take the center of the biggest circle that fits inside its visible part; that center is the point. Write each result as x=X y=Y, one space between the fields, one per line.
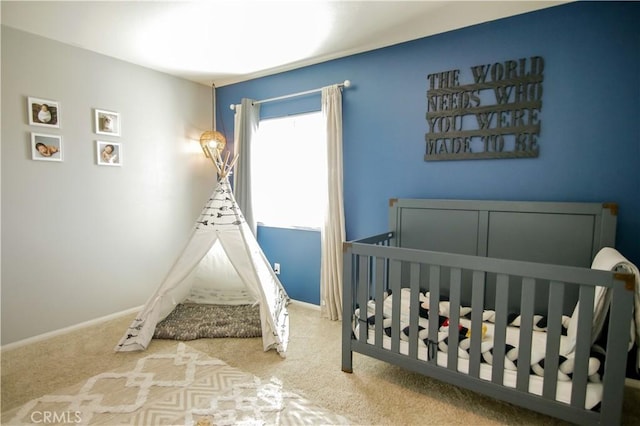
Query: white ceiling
x=227 y=41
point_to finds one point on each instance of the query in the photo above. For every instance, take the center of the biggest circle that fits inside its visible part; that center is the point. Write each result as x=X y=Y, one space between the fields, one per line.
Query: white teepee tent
x=222 y=257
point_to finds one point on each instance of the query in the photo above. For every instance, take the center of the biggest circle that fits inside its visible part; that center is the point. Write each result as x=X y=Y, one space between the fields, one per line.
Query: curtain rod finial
x=232 y=107
x=346 y=83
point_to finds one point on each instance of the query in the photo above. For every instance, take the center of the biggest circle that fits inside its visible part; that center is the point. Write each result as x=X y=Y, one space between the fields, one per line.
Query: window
x=289 y=171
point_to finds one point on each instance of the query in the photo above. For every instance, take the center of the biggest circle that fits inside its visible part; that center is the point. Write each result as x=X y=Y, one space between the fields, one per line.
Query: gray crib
x=503 y=260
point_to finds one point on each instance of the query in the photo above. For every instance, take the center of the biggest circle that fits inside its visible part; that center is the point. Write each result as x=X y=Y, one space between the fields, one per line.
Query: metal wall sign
x=496 y=116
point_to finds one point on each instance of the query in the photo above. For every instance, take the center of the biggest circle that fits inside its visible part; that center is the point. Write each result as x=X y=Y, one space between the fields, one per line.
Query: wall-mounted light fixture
x=212 y=139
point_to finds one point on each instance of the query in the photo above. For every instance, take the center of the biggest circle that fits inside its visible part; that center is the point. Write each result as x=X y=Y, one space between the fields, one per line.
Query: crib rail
x=372 y=268
x=380 y=240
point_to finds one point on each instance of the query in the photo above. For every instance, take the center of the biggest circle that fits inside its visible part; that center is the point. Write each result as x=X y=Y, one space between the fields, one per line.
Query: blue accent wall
x=590 y=120
x=299 y=258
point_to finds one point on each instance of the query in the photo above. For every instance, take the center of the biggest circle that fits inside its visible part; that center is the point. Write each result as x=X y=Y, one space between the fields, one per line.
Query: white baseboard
x=306 y=304
x=69 y=329
x=632 y=383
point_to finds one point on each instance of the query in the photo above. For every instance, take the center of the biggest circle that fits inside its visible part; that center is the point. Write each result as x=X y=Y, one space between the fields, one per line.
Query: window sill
x=293 y=227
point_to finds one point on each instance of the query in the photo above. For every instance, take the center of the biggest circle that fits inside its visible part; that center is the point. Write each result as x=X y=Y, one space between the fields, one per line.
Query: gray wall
x=82 y=241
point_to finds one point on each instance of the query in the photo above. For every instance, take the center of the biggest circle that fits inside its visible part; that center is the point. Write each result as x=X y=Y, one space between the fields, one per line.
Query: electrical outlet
x=276 y=268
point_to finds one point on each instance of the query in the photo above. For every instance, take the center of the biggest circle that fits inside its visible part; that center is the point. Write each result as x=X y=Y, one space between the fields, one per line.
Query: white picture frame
x=107 y=122
x=43 y=112
x=108 y=153
x=46 y=147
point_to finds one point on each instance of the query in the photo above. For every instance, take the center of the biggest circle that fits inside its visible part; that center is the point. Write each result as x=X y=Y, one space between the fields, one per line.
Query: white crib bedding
x=564 y=386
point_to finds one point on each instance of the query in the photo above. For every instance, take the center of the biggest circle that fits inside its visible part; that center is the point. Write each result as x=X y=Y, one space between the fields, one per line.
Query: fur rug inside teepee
x=190 y=321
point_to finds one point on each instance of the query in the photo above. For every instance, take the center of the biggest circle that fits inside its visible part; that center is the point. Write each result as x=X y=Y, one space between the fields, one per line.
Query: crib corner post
x=347 y=307
x=620 y=314
x=347 y=360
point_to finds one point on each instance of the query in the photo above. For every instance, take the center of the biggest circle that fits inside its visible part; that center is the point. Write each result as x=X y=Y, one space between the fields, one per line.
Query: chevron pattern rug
x=184 y=387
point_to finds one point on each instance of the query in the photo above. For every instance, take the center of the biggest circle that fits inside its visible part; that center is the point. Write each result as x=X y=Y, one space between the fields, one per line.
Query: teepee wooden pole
x=222 y=166
x=215 y=156
x=233 y=163
x=226 y=162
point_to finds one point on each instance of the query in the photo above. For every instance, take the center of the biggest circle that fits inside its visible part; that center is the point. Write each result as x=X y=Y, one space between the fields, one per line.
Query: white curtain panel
x=247 y=120
x=333 y=230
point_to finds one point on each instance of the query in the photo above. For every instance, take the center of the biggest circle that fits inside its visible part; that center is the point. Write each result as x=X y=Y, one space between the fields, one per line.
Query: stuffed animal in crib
x=463 y=331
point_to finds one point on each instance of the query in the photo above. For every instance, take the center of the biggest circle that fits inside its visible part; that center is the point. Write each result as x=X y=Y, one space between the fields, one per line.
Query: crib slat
x=454 y=318
x=526 y=332
x=554 y=330
x=379 y=297
x=414 y=283
x=434 y=299
x=362 y=292
x=395 y=273
x=500 y=328
x=583 y=346
x=477 y=307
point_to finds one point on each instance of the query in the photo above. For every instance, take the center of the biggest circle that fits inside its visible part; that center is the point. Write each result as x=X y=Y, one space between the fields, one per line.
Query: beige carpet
x=375 y=394
x=180 y=387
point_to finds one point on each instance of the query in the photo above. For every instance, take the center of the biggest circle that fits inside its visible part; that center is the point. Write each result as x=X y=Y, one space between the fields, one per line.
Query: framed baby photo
x=107 y=122
x=43 y=112
x=46 y=147
x=108 y=153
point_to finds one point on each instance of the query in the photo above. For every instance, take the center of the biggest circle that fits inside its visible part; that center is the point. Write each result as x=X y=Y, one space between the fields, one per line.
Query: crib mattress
x=563 y=392
x=564 y=384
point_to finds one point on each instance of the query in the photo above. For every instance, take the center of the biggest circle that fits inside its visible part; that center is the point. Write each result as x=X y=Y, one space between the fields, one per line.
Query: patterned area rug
x=185 y=387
